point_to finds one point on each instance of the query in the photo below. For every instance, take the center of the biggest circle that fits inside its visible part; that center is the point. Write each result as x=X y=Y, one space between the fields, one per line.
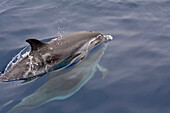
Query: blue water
x=138 y=58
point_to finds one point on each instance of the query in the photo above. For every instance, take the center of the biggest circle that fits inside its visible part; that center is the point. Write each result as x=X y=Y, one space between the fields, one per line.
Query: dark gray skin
x=44 y=56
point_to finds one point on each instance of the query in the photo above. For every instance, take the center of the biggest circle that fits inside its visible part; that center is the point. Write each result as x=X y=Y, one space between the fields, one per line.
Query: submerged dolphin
x=56 y=54
x=63 y=84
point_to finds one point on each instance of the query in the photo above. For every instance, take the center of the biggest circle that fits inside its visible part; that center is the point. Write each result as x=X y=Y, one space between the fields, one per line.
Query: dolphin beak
x=108 y=37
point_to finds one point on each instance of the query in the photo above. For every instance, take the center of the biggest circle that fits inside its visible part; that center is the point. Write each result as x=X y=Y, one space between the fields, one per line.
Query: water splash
x=22 y=54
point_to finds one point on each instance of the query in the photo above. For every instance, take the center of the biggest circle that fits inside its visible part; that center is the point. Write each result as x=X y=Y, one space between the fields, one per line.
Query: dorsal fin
x=35 y=44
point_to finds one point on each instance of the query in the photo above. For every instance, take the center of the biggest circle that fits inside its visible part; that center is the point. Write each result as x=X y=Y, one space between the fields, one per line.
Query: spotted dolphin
x=58 y=52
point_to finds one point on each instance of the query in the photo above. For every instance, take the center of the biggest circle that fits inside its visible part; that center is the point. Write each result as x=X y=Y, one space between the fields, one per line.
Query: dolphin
x=63 y=84
x=53 y=55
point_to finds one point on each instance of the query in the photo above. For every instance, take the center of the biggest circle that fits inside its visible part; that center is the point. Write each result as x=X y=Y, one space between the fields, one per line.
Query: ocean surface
x=138 y=59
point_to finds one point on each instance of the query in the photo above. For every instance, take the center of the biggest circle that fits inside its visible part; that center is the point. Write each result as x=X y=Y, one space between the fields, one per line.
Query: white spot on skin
x=51 y=48
x=30 y=63
x=37 y=60
x=44 y=57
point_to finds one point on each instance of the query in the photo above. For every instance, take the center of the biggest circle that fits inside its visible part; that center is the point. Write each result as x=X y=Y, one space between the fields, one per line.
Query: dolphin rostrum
x=55 y=54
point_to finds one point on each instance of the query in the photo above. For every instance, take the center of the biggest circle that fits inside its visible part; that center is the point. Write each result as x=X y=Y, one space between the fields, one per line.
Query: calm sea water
x=138 y=58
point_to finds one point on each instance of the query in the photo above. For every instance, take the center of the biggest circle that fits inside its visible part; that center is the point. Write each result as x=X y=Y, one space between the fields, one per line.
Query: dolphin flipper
x=103 y=70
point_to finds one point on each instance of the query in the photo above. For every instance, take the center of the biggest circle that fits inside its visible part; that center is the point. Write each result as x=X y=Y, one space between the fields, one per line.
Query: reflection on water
x=63 y=84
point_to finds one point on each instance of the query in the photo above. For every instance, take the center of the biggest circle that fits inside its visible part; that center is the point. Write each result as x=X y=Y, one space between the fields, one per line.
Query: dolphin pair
x=57 y=54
